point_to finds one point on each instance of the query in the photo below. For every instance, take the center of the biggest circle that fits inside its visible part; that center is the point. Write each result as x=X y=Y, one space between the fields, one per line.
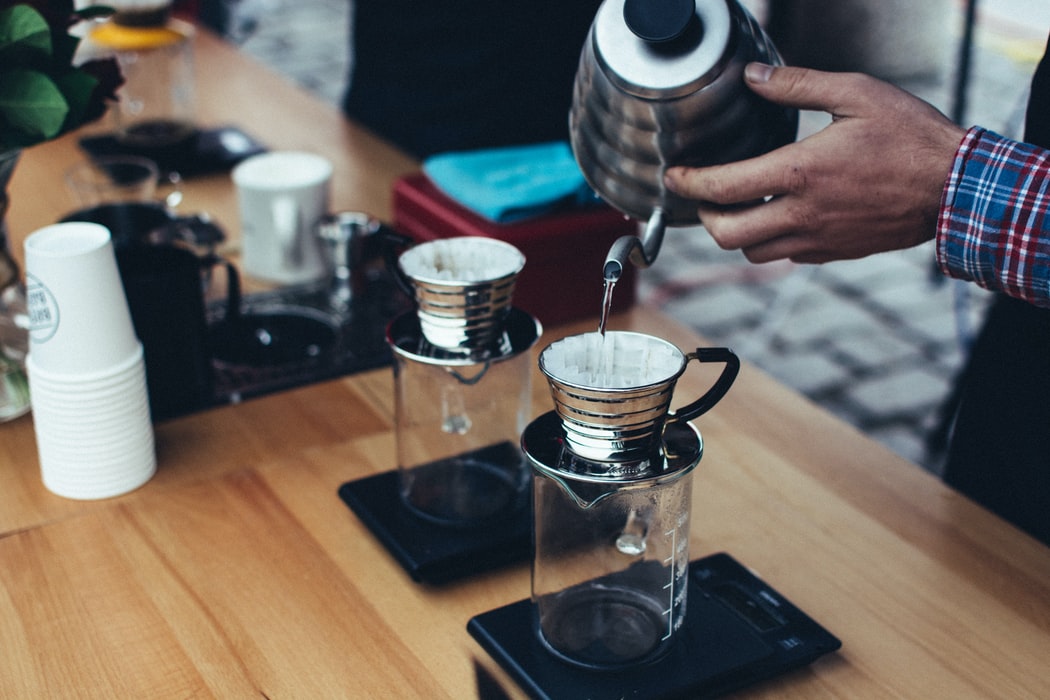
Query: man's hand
x=869 y=182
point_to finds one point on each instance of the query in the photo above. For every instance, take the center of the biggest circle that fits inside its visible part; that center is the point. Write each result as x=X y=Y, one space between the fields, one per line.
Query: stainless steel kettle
x=659 y=84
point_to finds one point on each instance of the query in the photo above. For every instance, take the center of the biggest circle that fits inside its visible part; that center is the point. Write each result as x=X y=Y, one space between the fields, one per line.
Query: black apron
x=444 y=75
x=999 y=453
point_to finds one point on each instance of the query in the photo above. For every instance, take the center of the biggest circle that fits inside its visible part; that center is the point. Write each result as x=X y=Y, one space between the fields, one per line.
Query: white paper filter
x=616 y=360
x=462 y=259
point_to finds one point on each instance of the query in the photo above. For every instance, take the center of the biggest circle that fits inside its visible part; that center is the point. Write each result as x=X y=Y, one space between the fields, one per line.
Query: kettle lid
x=665 y=49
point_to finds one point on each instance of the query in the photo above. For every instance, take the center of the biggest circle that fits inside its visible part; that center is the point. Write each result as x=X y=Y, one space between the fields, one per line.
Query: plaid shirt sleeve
x=994 y=223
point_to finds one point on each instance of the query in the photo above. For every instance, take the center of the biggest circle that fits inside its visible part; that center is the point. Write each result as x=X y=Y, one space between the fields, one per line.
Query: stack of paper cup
x=87 y=375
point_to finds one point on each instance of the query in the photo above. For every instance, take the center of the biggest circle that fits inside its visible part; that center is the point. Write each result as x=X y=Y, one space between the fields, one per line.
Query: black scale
x=738 y=631
x=434 y=553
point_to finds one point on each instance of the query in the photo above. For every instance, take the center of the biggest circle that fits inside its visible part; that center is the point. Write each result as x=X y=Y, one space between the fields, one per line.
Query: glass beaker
x=612 y=496
x=462 y=375
x=14 y=315
x=459 y=422
x=156 y=113
x=610 y=556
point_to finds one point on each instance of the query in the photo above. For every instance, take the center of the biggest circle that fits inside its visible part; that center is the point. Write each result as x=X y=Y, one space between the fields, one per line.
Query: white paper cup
x=123 y=374
x=94 y=438
x=78 y=314
x=92 y=477
x=282 y=197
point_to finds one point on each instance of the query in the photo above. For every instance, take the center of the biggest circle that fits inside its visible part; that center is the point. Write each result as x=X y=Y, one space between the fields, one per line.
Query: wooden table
x=238 y=572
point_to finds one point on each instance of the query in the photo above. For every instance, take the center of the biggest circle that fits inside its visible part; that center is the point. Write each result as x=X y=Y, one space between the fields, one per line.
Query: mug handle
x=233 y=284
x=706 y=402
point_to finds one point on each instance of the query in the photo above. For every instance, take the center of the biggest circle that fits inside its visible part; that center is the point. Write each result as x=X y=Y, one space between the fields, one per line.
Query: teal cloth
x=511 y=183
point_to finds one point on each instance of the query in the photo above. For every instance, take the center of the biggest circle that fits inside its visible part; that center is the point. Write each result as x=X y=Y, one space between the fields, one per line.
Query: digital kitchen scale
x=738 y=631
x=433 y=553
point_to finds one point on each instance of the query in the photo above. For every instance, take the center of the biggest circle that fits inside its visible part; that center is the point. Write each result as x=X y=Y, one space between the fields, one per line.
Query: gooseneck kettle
x=660 y=84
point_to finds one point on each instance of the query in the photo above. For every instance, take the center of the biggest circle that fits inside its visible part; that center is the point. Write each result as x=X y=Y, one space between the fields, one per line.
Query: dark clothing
x=1000 y=447
x=443 y=75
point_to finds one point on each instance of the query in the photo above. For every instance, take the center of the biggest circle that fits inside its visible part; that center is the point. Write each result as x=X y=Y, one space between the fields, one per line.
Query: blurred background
x=875 y=341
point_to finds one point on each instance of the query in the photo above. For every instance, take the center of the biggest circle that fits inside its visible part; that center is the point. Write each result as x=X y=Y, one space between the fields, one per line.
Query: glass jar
x=156 y=112
x=611 y=554
x=459 y=418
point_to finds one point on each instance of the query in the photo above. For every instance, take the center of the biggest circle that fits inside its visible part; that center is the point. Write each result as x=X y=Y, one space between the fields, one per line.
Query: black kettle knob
x=658 y=21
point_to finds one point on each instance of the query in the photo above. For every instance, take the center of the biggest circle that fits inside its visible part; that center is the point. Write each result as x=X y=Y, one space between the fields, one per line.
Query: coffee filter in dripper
x=463 y=260
x=463 y=289
x=614 y=360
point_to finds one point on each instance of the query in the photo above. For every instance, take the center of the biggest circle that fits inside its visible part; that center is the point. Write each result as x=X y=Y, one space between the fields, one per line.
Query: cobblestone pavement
x=876 y=341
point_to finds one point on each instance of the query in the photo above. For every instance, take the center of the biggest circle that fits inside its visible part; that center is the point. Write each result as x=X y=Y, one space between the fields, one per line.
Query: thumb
x=802 y=88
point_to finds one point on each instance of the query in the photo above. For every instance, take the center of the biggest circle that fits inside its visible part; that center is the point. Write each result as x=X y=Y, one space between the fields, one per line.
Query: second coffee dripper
x=462 y=381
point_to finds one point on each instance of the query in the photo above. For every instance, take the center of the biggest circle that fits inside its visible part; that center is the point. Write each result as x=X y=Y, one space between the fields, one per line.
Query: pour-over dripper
x=613 y=394
x=463 y=288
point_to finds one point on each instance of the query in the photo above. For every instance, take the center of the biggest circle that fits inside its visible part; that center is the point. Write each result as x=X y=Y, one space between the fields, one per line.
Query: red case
x=564 y=252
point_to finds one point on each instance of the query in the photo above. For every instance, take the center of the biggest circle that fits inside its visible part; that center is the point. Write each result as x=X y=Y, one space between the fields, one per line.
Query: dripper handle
x=706 y=402
x=393 y=244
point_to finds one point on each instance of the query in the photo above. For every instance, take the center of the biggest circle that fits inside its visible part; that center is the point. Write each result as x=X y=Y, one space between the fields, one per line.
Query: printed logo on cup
x=43 y=310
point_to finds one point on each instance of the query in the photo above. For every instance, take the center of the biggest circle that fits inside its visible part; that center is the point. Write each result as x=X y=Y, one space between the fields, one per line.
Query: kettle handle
x=706 y=402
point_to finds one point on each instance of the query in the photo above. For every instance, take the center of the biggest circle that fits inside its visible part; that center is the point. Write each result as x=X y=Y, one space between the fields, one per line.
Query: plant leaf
x=29 y=101
x=22 y=28
x=77 y=87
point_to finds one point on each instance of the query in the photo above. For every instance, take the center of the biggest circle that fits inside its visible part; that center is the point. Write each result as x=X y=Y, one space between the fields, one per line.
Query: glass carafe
x=462 y=375
x=612 y=495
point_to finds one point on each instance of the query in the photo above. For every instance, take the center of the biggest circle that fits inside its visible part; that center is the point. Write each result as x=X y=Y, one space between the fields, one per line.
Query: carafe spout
x=639 y=250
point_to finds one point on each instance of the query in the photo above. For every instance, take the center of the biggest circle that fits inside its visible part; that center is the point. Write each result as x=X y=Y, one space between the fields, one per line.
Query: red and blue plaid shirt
x=994 y=224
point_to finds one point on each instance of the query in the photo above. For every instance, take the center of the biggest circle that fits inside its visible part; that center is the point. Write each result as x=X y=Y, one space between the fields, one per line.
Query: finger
x=793 y=247
x=737 y=228
x=804 y=88
x=775 y=173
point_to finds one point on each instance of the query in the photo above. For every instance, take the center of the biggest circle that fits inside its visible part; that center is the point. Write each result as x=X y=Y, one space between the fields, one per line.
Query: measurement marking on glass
x=669 y=561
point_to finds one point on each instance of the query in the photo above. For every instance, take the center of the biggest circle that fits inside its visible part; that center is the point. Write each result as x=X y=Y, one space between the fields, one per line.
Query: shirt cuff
x=992 y=225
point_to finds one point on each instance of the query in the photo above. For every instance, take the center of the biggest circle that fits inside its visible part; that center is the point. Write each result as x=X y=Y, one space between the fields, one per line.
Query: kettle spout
x=639 y=250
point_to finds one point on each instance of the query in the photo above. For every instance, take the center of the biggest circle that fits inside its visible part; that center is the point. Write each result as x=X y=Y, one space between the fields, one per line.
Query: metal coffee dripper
x=612 y=495
x=462 y=381
x=660 y=84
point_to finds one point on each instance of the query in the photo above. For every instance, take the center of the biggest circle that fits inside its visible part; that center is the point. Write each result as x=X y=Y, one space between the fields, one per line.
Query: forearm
x=994 y=223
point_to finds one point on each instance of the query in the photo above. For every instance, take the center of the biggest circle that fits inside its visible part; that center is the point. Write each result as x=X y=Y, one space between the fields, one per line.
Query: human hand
x=871 y=181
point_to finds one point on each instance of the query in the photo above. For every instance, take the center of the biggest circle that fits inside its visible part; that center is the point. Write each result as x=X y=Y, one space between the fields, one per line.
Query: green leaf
x=22 y=27
x=31 y=102
x=77 y=88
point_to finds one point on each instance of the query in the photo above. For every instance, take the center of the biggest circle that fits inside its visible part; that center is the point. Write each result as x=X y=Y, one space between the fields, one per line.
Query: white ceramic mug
x=282 y=197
